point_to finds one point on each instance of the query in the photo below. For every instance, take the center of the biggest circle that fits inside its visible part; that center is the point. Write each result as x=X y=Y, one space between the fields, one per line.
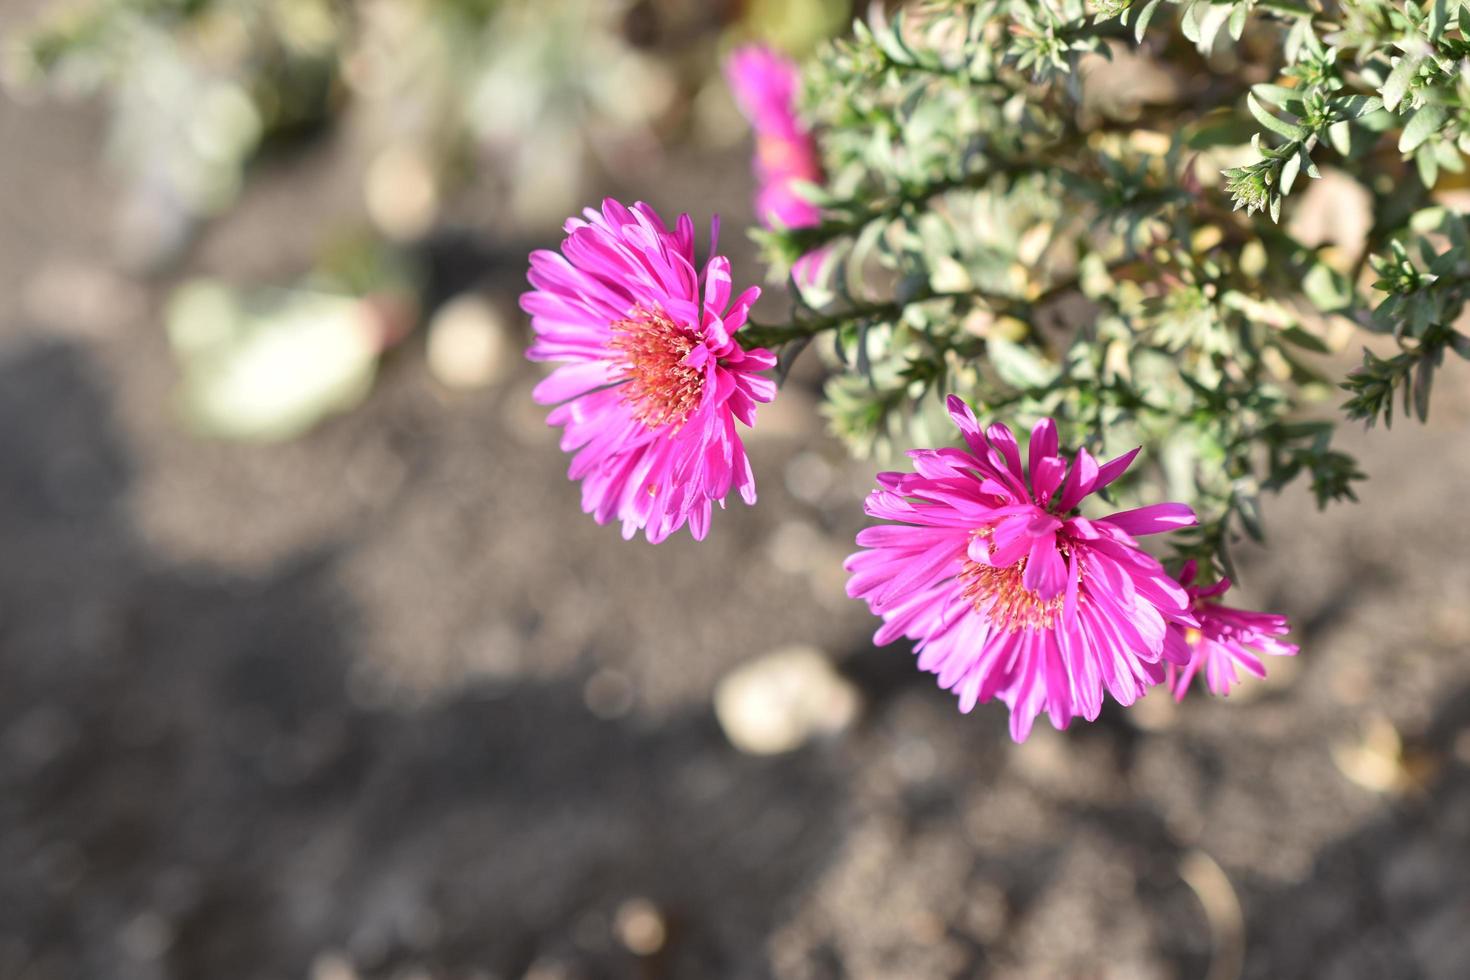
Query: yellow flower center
x=1000 y=595
x=658 y=386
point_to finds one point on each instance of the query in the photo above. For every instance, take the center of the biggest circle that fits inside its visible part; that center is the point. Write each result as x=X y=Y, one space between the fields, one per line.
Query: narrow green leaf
x=1210 y=22
x=1423 y=381
x=1283 y=96
x=1438 y=17
x=1356 y=106
x=1237 y=21
x=1424 y=124
x=1277 y=125
x=1428 y=167
x=1460 y=344
x=1289 y=170
x=1140 y=26
x=1307 y=341
x=1397 y=84
x=1189 y=22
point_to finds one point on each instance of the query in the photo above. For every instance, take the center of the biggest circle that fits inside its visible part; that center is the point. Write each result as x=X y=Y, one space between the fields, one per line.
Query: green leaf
x=1460 y=344
x=1428 y=167
x=1289 y=170
x=1438 y=17
x=1327 y=289
x=1019 y=366
x=1237 y=21
x=1423 y=381
x=1140 y=26
x=1282 y=96
x=1273 y=123
x=1210 y=22
x=1301 y=338
x=1397 y=83
x=890 y=39
x=1248 y=509
x=1356 y=106
x=1424 y=124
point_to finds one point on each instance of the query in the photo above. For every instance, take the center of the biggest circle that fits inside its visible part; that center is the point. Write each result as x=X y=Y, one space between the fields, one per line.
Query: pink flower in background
x=651 y=378
x=1225 y=639
x=765 y=86
x=1007 y=591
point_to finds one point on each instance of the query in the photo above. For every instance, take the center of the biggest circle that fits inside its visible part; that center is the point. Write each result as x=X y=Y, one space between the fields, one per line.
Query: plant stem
x=769 y=335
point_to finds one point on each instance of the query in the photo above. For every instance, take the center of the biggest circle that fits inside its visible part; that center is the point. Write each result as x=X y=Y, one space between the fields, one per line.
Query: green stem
x=804 y=240
x=763 y=335
x=769 y=335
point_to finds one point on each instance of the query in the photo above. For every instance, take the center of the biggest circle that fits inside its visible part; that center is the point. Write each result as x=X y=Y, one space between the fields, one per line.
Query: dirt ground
x=338 y=708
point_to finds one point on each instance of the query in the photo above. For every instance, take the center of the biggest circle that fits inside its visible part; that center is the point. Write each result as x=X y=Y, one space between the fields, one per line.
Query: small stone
x=41 y=735
x=792 y=416
x=468 y=346
x=780 y=701
x=808 y=477
x=492 y=652
x=83 y=300
x=401 y=193
x=914 y=759
x=1450 y=624
x=548 y=968
x=332 y=965
x=926 y=927
x=1351 y=685
x=609 y=694
x=1376 y=761
x=1157 y=713
x=1462 y=747
x=793 y=547
x=147 y=936
x=1334 y=210
x=640 y=927
x=1044 y=757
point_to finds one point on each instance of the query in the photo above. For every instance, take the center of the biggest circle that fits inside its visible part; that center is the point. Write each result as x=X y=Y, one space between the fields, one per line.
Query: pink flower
x=1226 y=638
x=1008 y=592
x=651 y=378
x=765 y=86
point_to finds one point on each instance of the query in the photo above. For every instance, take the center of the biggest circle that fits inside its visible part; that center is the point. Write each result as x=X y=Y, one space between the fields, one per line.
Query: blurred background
x=310 y=665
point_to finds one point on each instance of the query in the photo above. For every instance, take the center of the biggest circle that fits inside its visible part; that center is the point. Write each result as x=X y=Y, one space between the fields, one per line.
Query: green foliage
x=1000 y=221
x=1426 y=288
x=1376 y=66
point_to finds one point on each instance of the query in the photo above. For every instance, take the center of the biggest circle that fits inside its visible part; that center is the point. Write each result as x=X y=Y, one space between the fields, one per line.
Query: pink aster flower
x=765 y=86
x=1007 y=590
x=1225 y=639
x=651 y=378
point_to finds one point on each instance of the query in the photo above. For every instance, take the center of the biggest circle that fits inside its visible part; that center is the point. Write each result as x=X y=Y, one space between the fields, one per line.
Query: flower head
x=1008 y=592
x=1225 y=639
x=765 y=85
x=651 y=378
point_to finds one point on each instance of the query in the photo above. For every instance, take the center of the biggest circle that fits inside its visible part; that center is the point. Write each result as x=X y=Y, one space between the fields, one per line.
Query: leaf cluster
x=1141 y=276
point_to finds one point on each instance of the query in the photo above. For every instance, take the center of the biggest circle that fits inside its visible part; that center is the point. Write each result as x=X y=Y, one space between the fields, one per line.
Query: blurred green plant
x=1011 y=220
x=510 y=100
x=518 y=96
x=264 y=364
x=195 y=88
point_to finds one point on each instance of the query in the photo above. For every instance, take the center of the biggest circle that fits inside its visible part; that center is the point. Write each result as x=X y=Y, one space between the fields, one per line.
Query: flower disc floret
x=1007 y=590
x=650 y=379
x=1226 y=639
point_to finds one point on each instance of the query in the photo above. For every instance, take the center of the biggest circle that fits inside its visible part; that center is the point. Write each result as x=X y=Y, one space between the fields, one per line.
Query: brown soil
x=271 y=711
